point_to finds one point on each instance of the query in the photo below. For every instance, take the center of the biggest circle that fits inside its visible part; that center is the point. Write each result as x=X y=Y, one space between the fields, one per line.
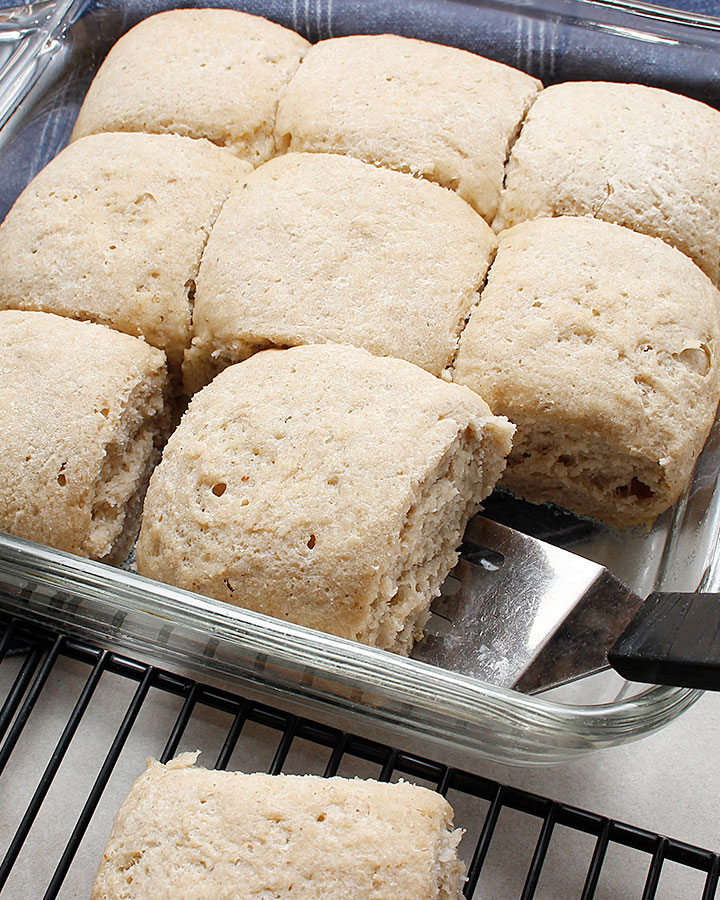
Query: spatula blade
x=525 y=614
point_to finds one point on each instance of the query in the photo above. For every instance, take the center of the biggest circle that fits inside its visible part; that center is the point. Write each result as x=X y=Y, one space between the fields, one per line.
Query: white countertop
x=667 y=783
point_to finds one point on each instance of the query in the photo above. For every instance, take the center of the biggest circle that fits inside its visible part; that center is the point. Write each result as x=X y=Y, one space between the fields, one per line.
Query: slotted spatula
x=528 y=615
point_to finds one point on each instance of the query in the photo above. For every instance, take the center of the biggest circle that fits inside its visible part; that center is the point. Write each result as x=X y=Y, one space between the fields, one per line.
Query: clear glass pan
x=49 y=52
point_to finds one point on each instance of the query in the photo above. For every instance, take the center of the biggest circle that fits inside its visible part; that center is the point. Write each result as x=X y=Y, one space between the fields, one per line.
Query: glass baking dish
x=49 y=52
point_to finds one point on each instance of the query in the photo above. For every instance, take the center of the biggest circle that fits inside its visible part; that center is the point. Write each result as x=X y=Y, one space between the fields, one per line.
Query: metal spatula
x=528 y=615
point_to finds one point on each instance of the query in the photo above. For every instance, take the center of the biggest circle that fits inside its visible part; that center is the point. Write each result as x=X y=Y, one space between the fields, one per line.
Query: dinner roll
x=324 y=486
x=315 y=248
x=435 y=111
x=83 y=412
x=212 y=835
x=112 y=230
x=601 y=345
x=202 y=73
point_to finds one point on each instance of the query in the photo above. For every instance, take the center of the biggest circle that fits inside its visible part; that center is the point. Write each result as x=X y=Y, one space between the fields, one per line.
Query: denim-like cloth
x=538 y=38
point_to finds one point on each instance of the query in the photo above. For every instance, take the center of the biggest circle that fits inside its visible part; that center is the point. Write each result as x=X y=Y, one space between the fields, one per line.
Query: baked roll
x=315 y=248
x=435 y=111
x=84 y=413
x=112 y=230
x=601 y=345
x=201 y=73
x=625 y=153
x=214 y=835
x=324 y=486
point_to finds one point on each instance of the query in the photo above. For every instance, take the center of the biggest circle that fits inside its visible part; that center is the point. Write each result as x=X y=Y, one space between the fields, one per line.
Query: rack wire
x=33 y=655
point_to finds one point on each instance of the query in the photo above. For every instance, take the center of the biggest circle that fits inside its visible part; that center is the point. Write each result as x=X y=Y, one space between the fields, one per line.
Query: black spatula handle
x=674 y=639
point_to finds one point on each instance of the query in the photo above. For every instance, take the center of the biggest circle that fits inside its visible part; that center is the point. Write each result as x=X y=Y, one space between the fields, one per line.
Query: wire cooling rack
x=41 y=855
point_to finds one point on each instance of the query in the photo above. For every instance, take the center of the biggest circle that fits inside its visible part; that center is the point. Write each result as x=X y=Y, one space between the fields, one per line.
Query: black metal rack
x=33 y=655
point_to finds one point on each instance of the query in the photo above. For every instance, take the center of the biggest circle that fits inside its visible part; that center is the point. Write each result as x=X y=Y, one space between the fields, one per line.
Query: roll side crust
x=85 y=413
